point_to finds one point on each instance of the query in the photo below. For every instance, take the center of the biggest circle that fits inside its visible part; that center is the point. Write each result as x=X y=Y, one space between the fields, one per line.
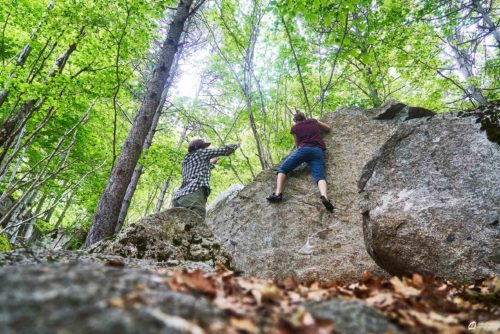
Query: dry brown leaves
x=417 y=304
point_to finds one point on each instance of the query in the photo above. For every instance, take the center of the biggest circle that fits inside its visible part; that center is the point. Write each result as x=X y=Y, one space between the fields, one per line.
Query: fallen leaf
x=117 y=302
x=197 y=280
x=381 y=300
x=289 y=283
x=243 y=325
x=417 y=281
x=307 y=319
x=317 y=295
x=403 y=289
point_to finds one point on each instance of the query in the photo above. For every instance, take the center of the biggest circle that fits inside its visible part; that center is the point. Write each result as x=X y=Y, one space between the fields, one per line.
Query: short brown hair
x=299 y=116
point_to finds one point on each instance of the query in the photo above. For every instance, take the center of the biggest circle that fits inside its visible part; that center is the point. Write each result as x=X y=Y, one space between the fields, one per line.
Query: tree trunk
x=14 y=225
x=304 y=90
x=465 y=70
x=109 y=206
x=3 y=171
x=63 y=213
x=487 y=21
x=149 y=139
x=137 y=173
x=28 y=229
x=374 y=96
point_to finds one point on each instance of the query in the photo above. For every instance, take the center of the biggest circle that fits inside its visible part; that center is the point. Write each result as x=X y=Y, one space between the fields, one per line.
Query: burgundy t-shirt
x=308 y=134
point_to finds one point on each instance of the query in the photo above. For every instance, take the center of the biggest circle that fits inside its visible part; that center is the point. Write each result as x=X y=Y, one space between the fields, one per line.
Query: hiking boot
x=274 y=198
x=326 y=202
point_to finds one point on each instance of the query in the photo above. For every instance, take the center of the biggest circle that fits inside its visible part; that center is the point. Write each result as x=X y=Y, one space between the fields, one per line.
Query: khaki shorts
x=194 y=201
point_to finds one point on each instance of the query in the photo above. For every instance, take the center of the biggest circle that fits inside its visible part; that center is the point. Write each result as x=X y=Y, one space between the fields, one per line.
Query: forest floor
x=417 y=304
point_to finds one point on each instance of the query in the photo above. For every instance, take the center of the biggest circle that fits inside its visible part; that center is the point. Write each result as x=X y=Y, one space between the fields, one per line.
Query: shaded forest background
x=73 y=75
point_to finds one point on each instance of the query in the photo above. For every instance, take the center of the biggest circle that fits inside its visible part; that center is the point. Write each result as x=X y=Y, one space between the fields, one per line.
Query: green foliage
x=5 y=245
x=350 y=53
x=43 y=227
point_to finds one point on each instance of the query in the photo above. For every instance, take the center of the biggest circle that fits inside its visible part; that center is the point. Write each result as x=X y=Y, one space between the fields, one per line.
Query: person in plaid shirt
x=196 y=166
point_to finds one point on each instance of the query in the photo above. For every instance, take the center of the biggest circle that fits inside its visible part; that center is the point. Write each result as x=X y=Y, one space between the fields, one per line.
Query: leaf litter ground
x=416 y=304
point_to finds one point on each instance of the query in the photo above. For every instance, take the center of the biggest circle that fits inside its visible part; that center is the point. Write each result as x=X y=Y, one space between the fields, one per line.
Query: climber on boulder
x=310 y=149
x=196 y=166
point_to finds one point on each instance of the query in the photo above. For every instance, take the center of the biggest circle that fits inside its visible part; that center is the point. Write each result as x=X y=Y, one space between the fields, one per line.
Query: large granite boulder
x=266 y=240
x=175 y=235
x=432 y=200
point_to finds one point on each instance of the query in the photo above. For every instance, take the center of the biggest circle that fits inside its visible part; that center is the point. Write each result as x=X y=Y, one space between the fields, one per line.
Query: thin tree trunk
x=487 y=21
x=50 y=212
x=14 y=225
x=28 y=230
x=251 y=120
x=151 y=197
x=465 y=70
x=137 y=173
x=304 y=90
x=247 y=84
x=332 y=71
x=109 y=206
x=63 y=213
x=4 y=171
x=163 y=191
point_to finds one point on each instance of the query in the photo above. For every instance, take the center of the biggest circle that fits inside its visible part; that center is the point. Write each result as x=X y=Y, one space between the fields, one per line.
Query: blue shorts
x=315 y=158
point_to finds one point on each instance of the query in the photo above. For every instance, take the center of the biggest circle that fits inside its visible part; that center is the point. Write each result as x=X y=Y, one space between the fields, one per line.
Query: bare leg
x=324 y=198
x=322 y=187
x=280 y=183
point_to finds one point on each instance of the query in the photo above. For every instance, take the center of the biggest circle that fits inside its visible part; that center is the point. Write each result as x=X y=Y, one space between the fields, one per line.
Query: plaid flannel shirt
x=196 y=169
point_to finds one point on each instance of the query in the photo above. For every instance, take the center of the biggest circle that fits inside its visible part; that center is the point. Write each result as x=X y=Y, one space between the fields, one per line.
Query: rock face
x=175 y=235
x=225 y=195
x=92 y=298
x=432 y=200
x=352 y=317
x=266 y=240
x=37 y=256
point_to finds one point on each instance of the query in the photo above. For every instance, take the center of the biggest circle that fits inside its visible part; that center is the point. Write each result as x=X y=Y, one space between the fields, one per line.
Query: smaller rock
x=351 y=317
x=175 y=234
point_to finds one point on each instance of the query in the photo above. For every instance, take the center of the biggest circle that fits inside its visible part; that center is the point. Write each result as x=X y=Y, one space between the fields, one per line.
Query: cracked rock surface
x=432 y=200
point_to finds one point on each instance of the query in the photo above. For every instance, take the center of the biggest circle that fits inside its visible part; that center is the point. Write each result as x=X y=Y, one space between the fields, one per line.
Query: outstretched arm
x=210 y=153
x=323 y=126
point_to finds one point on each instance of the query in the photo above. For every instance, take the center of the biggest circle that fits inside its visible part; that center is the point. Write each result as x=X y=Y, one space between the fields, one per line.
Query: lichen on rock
x=176 y=234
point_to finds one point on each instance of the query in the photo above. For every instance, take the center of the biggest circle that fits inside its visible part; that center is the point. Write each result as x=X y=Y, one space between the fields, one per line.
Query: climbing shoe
x=273 y=198
x=326 y=202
